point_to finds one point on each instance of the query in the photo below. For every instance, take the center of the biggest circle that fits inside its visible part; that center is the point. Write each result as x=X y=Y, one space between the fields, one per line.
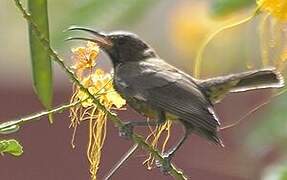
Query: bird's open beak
x=100 y=38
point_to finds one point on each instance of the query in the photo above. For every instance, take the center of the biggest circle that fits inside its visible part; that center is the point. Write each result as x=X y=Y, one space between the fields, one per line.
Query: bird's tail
x=217 y=88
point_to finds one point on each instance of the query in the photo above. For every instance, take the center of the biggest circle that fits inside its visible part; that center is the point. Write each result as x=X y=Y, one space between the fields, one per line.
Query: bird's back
x=152 y=85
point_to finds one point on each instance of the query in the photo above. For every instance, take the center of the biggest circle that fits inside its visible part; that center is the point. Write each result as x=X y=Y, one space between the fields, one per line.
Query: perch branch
x=35 y=117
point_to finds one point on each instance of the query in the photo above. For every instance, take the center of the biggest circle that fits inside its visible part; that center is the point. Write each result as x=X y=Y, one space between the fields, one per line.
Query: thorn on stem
x=126 y=131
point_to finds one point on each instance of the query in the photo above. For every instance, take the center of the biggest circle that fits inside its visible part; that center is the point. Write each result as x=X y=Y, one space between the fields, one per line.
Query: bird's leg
x=170 y=154
x=165 y=167
x=127 y=129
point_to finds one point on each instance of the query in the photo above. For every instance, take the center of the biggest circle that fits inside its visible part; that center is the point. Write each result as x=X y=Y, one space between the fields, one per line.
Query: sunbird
x=158 y=90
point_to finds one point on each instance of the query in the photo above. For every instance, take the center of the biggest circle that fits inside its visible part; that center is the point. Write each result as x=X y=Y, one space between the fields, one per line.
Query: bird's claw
x=126 y=130
x=164 y=166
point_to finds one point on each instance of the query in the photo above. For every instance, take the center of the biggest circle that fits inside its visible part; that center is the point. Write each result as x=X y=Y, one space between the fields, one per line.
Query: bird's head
x=119 y=45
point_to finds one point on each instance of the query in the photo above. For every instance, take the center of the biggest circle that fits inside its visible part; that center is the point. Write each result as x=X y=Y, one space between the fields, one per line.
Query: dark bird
x=159 y=90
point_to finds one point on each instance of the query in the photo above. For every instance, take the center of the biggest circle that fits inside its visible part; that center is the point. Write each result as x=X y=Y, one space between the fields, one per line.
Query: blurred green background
x=256 y=149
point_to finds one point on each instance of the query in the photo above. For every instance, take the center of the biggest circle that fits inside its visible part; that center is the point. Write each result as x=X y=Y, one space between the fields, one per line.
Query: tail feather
x=213 y=136
x=265 y=78
x=216 y=88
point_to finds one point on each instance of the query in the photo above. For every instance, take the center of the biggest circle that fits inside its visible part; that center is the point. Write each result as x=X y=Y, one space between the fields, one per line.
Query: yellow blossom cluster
x=100 y=86
x=272 y=32
x=277 y=8
x=85 y=58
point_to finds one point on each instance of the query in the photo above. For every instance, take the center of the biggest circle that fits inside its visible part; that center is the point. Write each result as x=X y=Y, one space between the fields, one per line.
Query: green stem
x=135 y=138
x=198 y=59
x=37 y=116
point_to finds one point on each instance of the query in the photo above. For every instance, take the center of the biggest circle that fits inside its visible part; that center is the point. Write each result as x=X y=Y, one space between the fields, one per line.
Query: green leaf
x=271 y=127
x=11 y=146
x=225 y=7
x=276 y=171
x=105 y=13
x=41 y=62
x=133 y=12
x=9 y=127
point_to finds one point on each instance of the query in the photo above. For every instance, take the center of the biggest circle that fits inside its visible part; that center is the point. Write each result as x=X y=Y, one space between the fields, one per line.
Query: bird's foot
x=126 y=131
x=165 y=165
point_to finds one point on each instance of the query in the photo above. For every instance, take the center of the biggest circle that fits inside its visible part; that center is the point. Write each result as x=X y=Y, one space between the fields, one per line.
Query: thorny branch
x=35 y=117
x=137 y=139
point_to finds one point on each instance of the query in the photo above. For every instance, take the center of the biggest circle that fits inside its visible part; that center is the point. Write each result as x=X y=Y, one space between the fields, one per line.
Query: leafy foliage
x=272 y=127
x=11 y=146
x=41 y=63
x=276 y=171
x=103 y=13
x=225 y=7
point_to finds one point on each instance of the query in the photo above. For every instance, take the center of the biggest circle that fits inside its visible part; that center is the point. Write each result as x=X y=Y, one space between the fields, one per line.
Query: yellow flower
x=85 y=57
x=272 y=33
x=189 y=24
x=277 y=8
x=100 y=86
x=116 y=99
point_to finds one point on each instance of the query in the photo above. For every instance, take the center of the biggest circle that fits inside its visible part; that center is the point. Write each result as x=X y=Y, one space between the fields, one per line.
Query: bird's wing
x=165 y=87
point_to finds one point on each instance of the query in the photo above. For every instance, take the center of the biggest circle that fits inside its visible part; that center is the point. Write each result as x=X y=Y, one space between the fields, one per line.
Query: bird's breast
x=138 y=103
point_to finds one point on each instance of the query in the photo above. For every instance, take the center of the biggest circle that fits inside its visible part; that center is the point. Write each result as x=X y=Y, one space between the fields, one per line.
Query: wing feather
x=185 y=104
x=167 y=88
